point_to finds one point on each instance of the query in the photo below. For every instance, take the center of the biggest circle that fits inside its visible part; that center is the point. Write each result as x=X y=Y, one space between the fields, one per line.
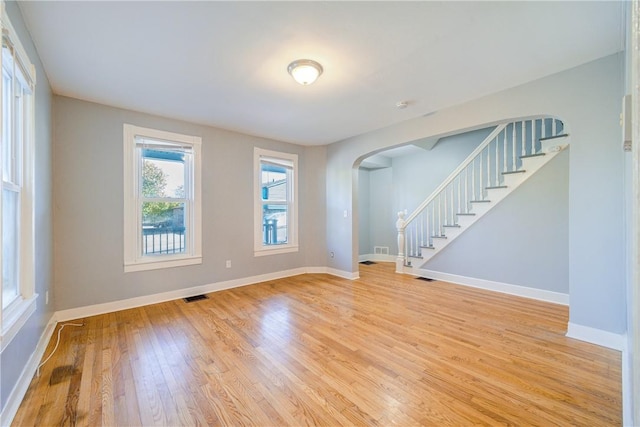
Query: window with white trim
x=18 y=298
x=275 y=202
x=162 y=203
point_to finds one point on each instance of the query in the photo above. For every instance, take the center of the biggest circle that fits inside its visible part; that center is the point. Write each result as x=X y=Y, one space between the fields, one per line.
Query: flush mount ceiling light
x=304 y=71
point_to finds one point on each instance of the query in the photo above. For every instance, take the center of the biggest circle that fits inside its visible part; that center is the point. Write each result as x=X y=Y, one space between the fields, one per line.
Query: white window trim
x=259 y=249
x=133 y=261
x=15 y=316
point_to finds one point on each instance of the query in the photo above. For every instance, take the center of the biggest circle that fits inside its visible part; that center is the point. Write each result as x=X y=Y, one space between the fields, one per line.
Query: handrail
x=454 y=174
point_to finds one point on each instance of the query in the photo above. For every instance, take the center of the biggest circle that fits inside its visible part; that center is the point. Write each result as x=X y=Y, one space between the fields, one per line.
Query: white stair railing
x=500 y=154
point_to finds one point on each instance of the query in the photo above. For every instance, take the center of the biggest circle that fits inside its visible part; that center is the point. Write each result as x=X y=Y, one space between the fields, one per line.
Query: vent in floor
x=426 y=279
x=195 y=298
x=367 y=262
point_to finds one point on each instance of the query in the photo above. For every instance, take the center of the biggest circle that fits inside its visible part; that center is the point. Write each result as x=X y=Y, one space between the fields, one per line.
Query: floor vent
x=426 y=279
x=367 y=262
x=195 y=298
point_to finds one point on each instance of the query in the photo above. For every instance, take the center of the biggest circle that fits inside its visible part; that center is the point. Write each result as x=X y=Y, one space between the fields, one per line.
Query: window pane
x=274 y=224
x=163 y=228
x=163 y=173
x=10 y=245
x=274 y=182
x=7 y=125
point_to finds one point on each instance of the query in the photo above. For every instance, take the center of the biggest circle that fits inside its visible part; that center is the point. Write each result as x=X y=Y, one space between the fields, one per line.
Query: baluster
x=523 y=138
x=497 y=166
x=439 y=214
x=452 y=212
x=504 y=151
x=473 y=179
x=466 y=189
x=488 y=155
x=480 y=176
x=422 y=219
x=553 y=127
x=513 y=147
x=459 y=192
x=533 y=137
x=432 y=224
x=444 y=193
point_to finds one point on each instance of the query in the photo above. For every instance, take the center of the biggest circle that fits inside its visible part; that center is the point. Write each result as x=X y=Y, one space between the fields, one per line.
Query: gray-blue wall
x=14 y=358
x=588 y=99
x=522 y=241
x=88 y=186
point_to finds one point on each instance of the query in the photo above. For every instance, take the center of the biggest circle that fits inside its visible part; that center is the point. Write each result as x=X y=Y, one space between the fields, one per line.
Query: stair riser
x=512 y=181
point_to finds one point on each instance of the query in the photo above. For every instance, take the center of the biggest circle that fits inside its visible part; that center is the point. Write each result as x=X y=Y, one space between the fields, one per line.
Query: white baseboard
x=29 y=370
x=597 y=336
x=351 y=275
x=110 y=307
x=377 y=258
x=627 y=386
x=505 y=288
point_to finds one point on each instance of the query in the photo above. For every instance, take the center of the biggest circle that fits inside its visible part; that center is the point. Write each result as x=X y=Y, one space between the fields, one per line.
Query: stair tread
x=427 y=247
x=480 y=201
x=466 y=214
x=495 y=187
x=512 y=172
x=533 y=155
x=439 y=237
x=562 y=135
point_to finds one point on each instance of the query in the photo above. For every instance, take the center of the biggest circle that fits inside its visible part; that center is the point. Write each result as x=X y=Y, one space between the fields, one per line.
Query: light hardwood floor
x=314 y=349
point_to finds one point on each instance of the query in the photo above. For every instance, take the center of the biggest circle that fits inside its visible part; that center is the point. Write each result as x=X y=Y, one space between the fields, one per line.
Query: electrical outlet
x=228 y=263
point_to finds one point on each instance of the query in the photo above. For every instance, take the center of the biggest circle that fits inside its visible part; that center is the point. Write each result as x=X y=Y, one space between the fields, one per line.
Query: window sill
x=156 y=264
x=15 y=318
x=264 y=251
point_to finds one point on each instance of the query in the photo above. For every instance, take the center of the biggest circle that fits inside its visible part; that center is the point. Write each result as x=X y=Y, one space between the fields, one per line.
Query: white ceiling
x=224 y=63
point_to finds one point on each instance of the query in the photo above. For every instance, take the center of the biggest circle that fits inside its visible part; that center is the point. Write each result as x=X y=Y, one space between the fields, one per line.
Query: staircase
x=511 y=154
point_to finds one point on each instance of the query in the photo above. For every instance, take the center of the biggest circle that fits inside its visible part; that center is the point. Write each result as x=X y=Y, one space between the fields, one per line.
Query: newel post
x=400 y=223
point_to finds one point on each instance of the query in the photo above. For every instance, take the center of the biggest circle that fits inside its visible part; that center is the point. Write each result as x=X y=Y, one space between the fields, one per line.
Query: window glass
x=162 y=203
x=276 y=205
x=10 y=245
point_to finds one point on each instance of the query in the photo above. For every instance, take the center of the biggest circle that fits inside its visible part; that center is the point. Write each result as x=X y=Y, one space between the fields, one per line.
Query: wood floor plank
x=315 y=349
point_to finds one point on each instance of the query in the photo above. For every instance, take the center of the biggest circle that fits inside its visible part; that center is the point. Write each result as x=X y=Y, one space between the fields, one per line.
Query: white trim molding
x=505 y=288
x=377 y=258
x=109 y=307
x=343 y=274
x=20 y=389
x=15 y=319
x=133 y=139
x=597 y=336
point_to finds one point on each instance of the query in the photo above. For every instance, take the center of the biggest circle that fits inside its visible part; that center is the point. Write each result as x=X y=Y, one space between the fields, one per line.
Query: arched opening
x=399 y=179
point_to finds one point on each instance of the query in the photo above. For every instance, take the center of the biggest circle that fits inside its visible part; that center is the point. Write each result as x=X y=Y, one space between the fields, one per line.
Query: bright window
x=276 y=210
x=162 y=199
x=16 y=204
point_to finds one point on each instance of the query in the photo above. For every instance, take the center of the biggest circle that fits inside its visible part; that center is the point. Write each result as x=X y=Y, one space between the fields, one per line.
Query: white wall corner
x=353 y=275
x=20 y=389
x=597 y=336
